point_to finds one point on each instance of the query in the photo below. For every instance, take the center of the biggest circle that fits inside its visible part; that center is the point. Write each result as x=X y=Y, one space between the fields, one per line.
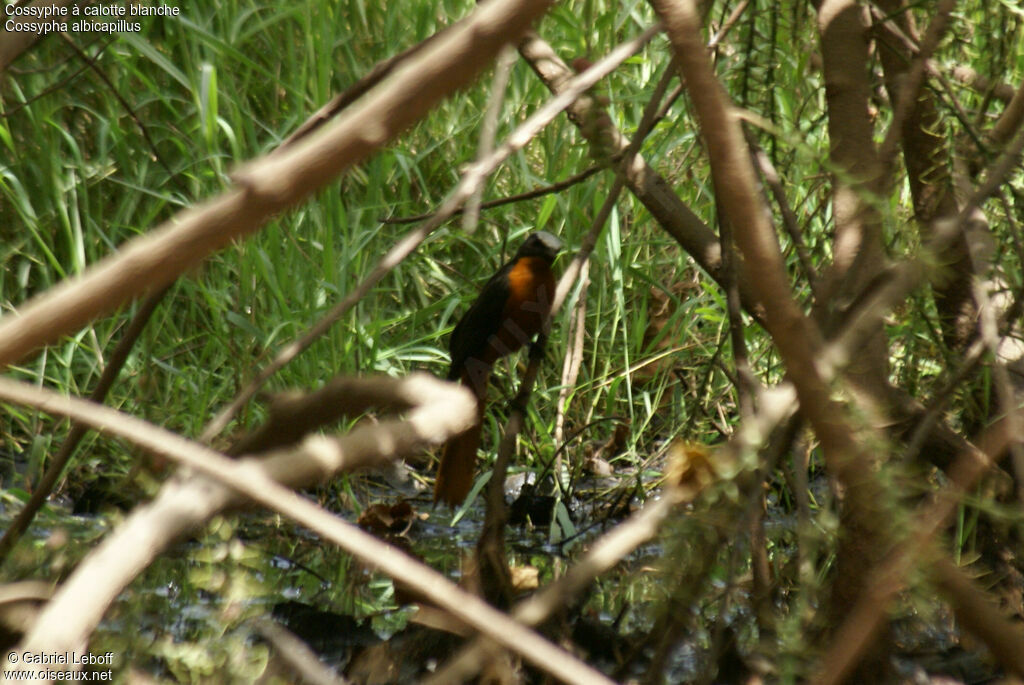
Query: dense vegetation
x=878 y=522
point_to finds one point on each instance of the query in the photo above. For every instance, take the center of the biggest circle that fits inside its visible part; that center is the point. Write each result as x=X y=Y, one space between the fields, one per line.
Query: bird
x=510 y=310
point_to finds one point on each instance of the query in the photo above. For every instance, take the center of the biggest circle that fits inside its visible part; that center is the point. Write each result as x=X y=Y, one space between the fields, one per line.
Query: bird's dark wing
x=480 y=322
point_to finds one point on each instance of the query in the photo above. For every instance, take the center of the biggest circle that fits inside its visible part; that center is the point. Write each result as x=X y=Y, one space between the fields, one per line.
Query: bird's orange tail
x=458 y=464
x=458 y=459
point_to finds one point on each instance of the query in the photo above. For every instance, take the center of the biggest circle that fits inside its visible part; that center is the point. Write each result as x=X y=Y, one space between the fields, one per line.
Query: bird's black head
x=540 y=244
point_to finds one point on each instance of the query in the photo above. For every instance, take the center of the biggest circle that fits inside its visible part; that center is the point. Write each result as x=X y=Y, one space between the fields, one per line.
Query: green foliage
x=94 y=161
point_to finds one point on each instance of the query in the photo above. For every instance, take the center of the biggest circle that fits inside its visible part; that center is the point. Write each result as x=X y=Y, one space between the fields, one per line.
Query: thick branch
x=798 y=339
x=857 y=248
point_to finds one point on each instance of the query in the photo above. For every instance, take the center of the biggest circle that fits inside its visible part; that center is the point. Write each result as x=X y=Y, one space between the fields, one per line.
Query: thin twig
x=649 y=187
x=655 y=107
x=488 y=130
x=571 y=366
x=491 y=546
x=980 y=616
x=91 y=62
x=894 y=31
x=1005 y=392
x=887 y=578
x=789 y=221
x=60 y=85
x=511 y=199
x=729 y=23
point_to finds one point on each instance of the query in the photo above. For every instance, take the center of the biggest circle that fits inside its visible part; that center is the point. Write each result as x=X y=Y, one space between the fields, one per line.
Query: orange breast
x=531 y=289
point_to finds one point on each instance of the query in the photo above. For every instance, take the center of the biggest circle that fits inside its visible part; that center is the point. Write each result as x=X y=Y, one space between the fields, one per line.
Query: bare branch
x=488 y=131
x=501 y=201
x=1000 y=91
x=91 y=63
x=340 y=102
x=297 y=655
x=907 y=96
x=789 y=221
x=918 y=127
x=798 y=340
